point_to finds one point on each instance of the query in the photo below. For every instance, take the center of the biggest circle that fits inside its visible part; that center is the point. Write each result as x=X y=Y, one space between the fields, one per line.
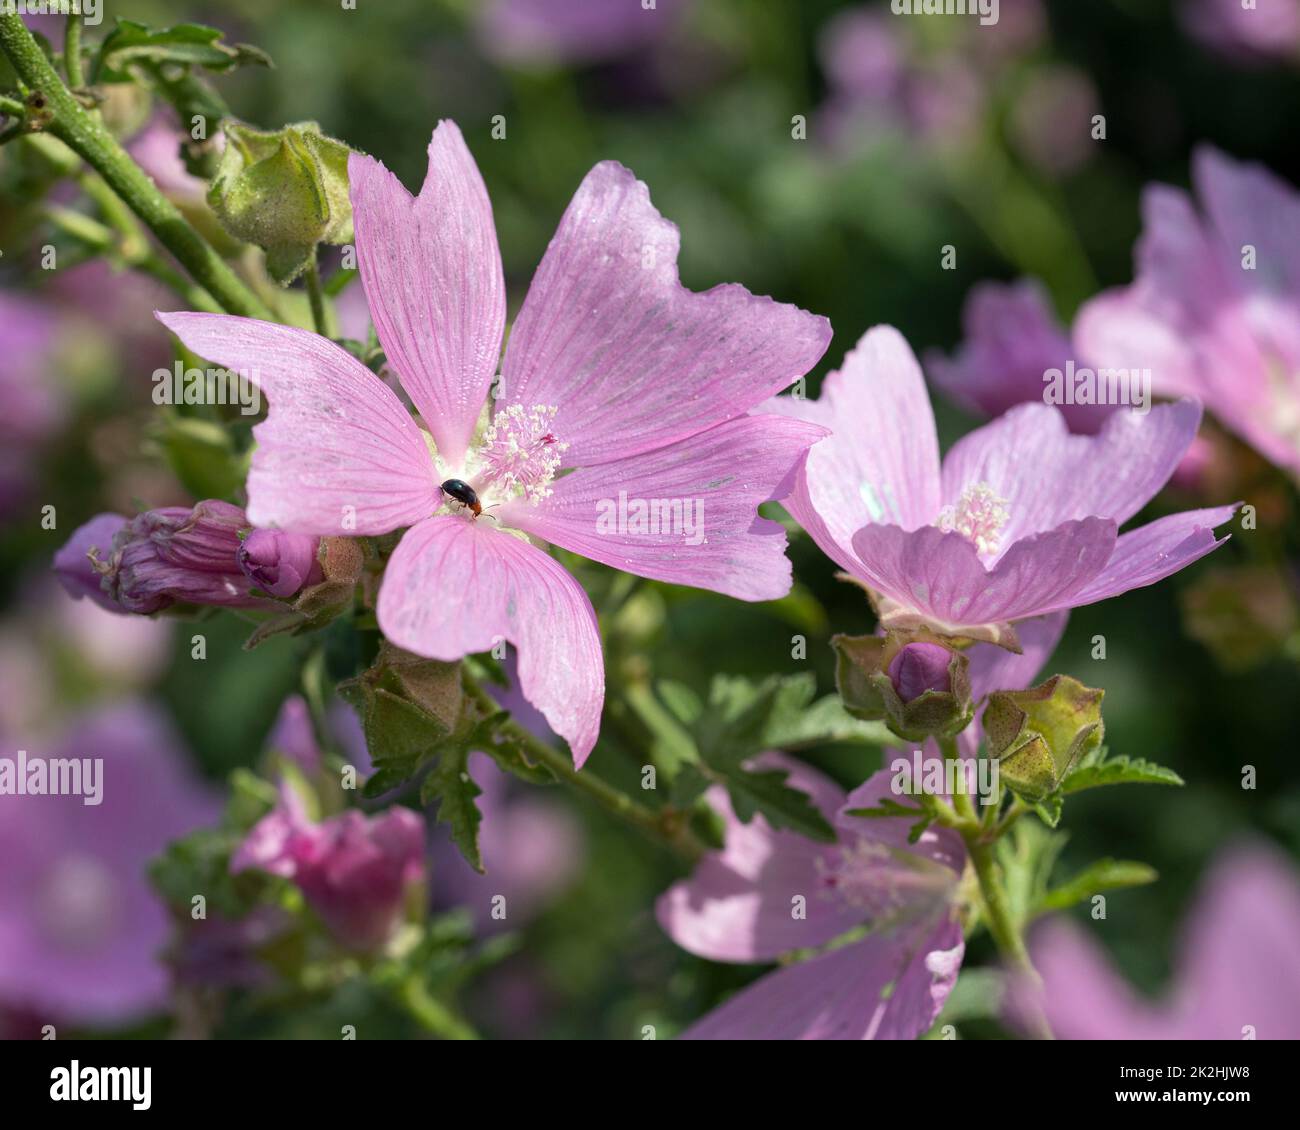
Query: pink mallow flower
x=616 y=375
x=81 y=931
x=1021 y=519
x=1215 y=310
x=771 y=891
x=355 y=871
x=1237 y=977
x=1013 y=339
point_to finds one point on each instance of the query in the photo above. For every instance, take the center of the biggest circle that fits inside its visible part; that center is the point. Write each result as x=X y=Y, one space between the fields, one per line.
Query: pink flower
x=1021 y=519
x=1267 y=30
x=741 y=903
x=615 y=373
x=354 y=870
x=1215 y=310
x=80 y=928
x=1012 y=339
x=1238 y=973
x=559 y=31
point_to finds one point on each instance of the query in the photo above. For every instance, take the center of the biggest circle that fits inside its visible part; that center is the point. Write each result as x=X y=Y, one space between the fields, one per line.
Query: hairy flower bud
x=285 y=190
x=1038 y=735
x=920 y=667
x=280 y=563
x=75 y=566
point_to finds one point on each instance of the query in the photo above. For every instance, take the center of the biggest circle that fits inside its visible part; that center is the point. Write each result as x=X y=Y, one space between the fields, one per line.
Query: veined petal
x=737 y=904
x=630 y=358
x=685 y=513
x=338 y=454
x=1047 y=476
x=881 y=462
x=455 y=586
x=1155 y=551
x=937 y=577
x=432 y=274
x=885 y=987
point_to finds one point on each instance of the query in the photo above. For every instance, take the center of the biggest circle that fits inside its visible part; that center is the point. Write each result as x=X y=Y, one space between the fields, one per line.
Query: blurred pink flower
x=1267 y=30
x=1238 y=974
x=80 y=929
x=29 y=386
x=1020 y=520
x=1012 y=339
x=1052 y=119
x=560 y=31
x=355 y=871
x=614 y=371
x=157 y=150
x=1215 y=310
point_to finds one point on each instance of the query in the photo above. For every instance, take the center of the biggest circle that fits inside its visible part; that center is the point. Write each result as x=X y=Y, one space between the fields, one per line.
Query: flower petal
x=455 y=586
x=937 y=578
x=881 y=462
x=1155 y=551
x=630 y=358
x=846 y=994
x=703 y=528
x=738 y=903
x=432 y=274
x=1110 y=475
x=337 y=453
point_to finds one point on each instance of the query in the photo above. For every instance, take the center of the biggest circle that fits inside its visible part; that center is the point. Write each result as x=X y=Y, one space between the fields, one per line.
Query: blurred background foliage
x=849 y=223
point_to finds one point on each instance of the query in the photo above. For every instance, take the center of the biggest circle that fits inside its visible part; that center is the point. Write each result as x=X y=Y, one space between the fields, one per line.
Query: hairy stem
x=72 y=52
x=84 y=133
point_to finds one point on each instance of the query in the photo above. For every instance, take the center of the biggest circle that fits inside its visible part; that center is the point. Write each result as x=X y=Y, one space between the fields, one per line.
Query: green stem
x=72 y=52
x=668 y=826
x=11 y=107
x=319 y=316
x=1002 y=926
x=431 y=1013
x=86 y=136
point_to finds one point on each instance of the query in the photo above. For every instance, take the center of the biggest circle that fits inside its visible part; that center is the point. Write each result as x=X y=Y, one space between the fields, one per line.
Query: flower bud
x=280 y=563
x=920 y=667
x=917 y=685
x=74 y=565
x=159 y=558
x=355 y=871
x=285 y=190
x=1038 y=735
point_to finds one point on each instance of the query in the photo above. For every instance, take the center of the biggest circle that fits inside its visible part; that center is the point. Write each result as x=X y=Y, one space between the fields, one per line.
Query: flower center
x=78 y=903
x=979 y=516
x=518 y=455
x=884 y=882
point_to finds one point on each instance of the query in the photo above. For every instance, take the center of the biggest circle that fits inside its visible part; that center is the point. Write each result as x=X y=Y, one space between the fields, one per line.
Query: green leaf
x=184 y=44
x=826 y=721
x=202 y=455
x=1049 y=810
x=1104 y=875
x=449 y=786
x=765 y=791
x=1096 y=769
